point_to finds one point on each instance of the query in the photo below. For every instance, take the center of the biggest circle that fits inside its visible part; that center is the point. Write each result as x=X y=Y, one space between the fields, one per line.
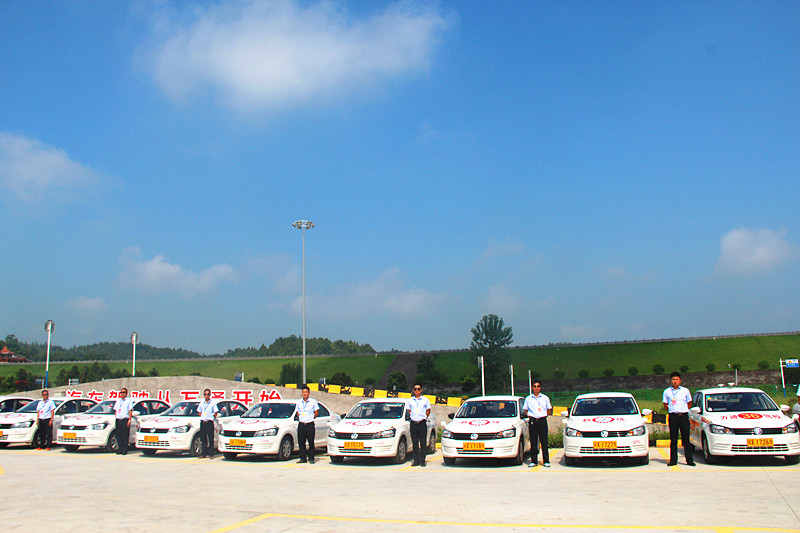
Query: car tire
x=148 y=452
x=338 y=459
x=520 y=457
x=432 y=442
x=569 y=461
x=71 y=447
x=3 y=445
x=286 y=448
x=113 y=443
x=708 y=457
x=645 y=459
x=402 y=451
x=230 y=456
x=792 y=459
x=449 y=461
x=196 y=449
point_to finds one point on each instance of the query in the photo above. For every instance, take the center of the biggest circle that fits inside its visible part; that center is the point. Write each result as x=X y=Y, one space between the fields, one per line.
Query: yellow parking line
x=2 y=471
x=243 y=523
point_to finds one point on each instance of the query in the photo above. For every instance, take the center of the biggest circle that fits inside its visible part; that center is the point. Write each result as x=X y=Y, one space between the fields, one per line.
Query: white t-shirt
x=123 y=408
x=306 y=410
x=537 y=406
x=418 y=408
x=677 y=400
x=45 y=409
x=207 y=410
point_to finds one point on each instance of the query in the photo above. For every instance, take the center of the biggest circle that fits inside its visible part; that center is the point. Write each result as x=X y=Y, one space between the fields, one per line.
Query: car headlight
x=180 y=429
x=384 y=434
x=571 y=432
x=506 y=433
x=447 y=434
x=25 y=424
x=791 y=428
x=719 y=430
x=271 y=432
x=331 y=433
x=98 y=427
x=637 y=432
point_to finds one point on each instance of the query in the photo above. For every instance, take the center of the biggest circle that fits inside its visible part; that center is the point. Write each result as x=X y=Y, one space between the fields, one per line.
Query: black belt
x=306 y=423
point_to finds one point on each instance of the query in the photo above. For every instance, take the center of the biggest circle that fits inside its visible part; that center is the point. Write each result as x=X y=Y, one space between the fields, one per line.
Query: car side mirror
x=647 y=412
x=297 y=416
x=695 y=410
x=785 y=408
x=408 y=415
x=344 y=415
x=136 y=413
x=451 y=416
x=565 y=413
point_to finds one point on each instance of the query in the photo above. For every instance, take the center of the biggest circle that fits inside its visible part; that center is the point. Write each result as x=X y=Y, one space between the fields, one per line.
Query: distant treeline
x=115 y=351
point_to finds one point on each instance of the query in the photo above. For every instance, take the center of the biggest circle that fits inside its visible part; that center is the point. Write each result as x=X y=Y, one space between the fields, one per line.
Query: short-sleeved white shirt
x=418 y=408
x=207 y=410
x=45 y=409
x=677 y=400
x=123 y=408
x=537 y=406
x=306 y=410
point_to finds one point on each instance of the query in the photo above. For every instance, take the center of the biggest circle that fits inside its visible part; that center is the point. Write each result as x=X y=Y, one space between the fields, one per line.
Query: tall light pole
x=134 y=340
x=49 y=327
x=304 y=225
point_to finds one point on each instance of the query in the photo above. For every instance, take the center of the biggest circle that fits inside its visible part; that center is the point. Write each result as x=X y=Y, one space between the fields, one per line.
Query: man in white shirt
x=536 y=407
x=208 y=412
x=677 y=401
x=307 y=411
x=123 y=408
x=419 y=407
x=44 y=420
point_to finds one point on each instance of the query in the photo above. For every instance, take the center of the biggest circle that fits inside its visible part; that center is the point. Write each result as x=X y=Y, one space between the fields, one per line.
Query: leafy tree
x=291 y=373
x=583 y=373
x=763 y=365
x=468 y=383
x=633 y=371
x=736 y=366
x=684 y=368
x=254 y=379
x=370 y=381
x=711 y=367
x=658 y=369
x=427 y=372
x=396 y=380
x=341 y=378
x=491 y=339
x=559 y=374
x=608 y=372
x=154 y=372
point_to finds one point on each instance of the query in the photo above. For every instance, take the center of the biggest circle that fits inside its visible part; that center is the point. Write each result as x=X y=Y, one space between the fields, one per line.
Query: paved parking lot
x=95 y=491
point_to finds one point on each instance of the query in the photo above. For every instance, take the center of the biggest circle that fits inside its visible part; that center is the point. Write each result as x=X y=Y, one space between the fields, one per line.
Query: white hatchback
x=270 y=428
x=376 y=428
x=741 y=421
x=97 y=426
x=605 y=424
x=20 y=427
x=487 y=426
x=178 y=428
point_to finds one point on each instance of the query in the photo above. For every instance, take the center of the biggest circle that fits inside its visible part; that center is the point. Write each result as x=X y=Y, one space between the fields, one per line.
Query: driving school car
x=605 y=424
x=487 y=426
x=270 y=428
x=741 y=421
x=97 y=426
x=376 y=428
x=178 y=428
x=20 y=427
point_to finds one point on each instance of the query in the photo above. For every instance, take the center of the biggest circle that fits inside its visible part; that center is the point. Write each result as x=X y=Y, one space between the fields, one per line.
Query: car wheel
x=3 y=445
x=71 y=447
x=230 y=456
x=569 y=461
x=520 y=457
x=645 y=459
x=449 y=461
x=196 y=450
x=792 y=459
x=113 y=443
x=148 y=452
x=338 y=459
x=402 y=449
x=708 y=457
x=432 y=442
x=286 y=448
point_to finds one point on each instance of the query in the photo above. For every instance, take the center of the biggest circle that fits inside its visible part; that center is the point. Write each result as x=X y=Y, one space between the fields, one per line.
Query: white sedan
x=487 y=426
x=20 y=427
x=97 y=426
x=376 y=428
x=605 y=424
x=178 y=428
x=741 y=421
x=270 y=428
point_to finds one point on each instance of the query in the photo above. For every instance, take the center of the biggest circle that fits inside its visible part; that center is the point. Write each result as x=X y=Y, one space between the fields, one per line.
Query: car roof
x=729 y=390
x=506 y=397
x=383 y=400
x=4 y=398
x=605 y=395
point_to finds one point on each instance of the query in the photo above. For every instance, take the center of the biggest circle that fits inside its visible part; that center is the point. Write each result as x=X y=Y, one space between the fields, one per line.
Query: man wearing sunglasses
x=208 y=412
x=536 y=408
x=420 y=409
x=122 y=420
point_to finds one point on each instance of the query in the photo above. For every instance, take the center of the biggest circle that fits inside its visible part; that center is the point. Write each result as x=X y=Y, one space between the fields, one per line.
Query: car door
x=321 y=426
x=695 y=420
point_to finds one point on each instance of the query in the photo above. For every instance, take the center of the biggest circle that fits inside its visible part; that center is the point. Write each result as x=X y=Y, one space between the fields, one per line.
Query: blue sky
x=586 y=170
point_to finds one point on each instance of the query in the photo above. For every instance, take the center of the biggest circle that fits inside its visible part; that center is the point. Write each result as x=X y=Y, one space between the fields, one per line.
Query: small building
x=7 y=356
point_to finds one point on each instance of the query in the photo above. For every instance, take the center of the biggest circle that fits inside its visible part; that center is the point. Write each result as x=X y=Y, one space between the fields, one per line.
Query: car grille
x=237 y=433
x=588 y=450
x=778 y=448
x=485 y=451
x=245 y=448
x=159 y=444
x=349 y=451
x=4 y=437
x=158 y=430
x=596 y=434
x=764 y=431
x=359 y=436
x=6 y=426
x=76 y=440
x=468 y=436
x=74 y=428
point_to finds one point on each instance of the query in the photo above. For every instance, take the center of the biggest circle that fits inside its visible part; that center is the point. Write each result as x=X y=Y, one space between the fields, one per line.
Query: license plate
x=474 y=446
x=353 y=445
x=604 y=445
x=151 y=438
x=70 y=435
x=759 y=442
x=1 y=433
x=237 y=442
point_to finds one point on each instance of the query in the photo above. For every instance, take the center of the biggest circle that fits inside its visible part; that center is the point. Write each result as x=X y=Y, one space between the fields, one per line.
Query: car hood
x=13 y=418
x=169 y=422
x=363 y=425
x=257 y=424
x=87 y=420
x=748 y=419
x=607 y=422
x=480 y=425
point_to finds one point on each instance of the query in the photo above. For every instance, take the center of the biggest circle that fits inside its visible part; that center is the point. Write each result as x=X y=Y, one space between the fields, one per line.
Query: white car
x=20 y=427
x=605 y=424
x=97 y=426
x=487 y=426
x=178 y=428
x=270 y=428
x=376 y=428
x=741 y=421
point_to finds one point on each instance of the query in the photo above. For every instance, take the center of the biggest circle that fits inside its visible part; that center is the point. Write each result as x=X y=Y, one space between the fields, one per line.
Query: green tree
x=491 y=340
x=468 y=383
x=427 y=373
x=291 y=373
x=633 y=371
x=711 y=367
x=583 y=373
x=684 y=368
x=559 y=374
x=608 y=372
x=763 y=365
x=341 y=378
x=396 y=380
x=658 y=369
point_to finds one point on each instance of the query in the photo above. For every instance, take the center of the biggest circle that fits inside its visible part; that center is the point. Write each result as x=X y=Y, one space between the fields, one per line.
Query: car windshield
x=102 y=408
x=377 y=410
x=183 y=409
x=488 y=409
x=270 y=410
x=739 y=401
x=31 y=407
x=619 y=405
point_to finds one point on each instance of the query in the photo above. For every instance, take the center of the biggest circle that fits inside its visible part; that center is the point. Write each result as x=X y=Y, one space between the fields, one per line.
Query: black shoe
x=690 y=463
x=423 y=464
x=672 y=464
x=311 y=461
x=415 y=463
x=123 y=453
x=303 y=460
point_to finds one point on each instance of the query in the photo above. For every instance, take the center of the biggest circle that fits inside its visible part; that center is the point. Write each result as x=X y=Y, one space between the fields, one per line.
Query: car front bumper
x=480 y=448
x=82 y=437
x=370 y=447
x=257 y=445
x=606 y=447
x=166 y=441
x=783 y=444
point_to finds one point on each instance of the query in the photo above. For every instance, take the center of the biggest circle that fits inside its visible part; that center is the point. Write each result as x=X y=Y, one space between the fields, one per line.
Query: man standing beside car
x=307 y=411
x=419 y=407
x=44 y=421
x=537 y=407
x=208 y=412
x=677 y=401
x=122 y=423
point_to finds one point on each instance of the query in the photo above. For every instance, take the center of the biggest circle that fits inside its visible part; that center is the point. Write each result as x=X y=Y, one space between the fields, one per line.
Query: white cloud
x=87 y=305
x=158 y=276
x=31 y=170
x=385 y=295
x=285 y=275
x=501 y=300
x=498 y=250
x=745 y=252
x=581 y=333
x=270 y=54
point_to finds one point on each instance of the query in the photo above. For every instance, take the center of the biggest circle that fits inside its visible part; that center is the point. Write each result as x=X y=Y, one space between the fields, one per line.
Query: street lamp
x=134 y=340
x=49 y=327
x=304 y=225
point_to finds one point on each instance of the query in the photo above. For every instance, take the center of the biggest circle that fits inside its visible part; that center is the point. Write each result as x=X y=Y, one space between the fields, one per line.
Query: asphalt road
x=95 y=491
